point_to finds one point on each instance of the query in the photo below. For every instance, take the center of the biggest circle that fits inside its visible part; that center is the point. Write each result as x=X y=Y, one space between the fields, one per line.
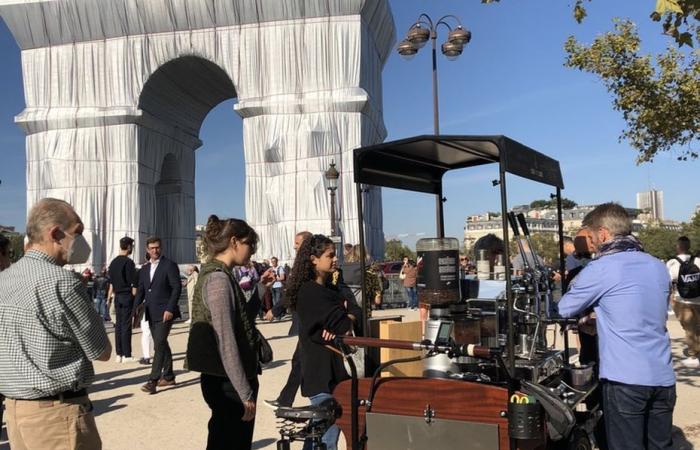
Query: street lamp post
x=418 y=34
x=332 y=176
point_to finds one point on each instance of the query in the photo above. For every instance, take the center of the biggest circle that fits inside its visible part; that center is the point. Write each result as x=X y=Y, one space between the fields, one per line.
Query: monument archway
x=112 y=128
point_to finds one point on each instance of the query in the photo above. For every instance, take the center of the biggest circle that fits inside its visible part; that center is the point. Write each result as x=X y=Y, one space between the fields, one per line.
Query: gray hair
x=46 y=213
x=611 y=216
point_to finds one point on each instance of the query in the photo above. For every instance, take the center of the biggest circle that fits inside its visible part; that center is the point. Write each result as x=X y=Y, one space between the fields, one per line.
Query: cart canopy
x=419 y=163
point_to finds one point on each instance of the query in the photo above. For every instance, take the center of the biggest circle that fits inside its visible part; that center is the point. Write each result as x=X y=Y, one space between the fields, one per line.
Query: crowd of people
x=52 y=323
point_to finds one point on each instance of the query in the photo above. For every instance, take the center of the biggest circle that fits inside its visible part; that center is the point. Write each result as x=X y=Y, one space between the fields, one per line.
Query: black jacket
x=320 y=308
x=162 y=293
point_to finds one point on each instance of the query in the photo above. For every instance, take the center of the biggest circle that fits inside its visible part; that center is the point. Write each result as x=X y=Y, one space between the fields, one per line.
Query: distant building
x=651 y=203
x=6 y=229
x=539 y=220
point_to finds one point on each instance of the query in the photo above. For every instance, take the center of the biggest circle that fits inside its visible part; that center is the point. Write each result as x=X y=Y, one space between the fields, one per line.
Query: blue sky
x=509 y=80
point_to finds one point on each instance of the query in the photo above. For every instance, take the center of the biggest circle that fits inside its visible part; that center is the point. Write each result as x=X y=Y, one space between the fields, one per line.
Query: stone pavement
x=176 y=417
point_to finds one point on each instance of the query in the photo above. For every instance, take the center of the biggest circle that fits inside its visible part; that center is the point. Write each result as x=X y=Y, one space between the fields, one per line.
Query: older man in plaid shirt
x=49 y=334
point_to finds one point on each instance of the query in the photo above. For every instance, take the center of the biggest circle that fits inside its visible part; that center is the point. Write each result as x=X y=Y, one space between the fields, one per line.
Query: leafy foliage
x=659 y=102
x=659 y=99
x=659 y=242
x=395 y=250
x=546 y=246
x=692 y=231
x=17 y=245
x=679 y=18
x=565 y=203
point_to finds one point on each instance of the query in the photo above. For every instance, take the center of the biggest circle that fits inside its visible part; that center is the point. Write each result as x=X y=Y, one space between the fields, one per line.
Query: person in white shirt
x=687 y=310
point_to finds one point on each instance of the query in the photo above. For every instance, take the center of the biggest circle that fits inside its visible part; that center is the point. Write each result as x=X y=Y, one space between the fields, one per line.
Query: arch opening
x=176 y=100
x=183 y=91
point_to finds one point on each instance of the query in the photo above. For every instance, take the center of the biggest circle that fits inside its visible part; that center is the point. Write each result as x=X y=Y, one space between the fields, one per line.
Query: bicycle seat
x=324 y=411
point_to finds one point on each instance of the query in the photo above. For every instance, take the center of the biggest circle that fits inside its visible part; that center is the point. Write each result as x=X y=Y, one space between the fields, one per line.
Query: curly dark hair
x=303 y=269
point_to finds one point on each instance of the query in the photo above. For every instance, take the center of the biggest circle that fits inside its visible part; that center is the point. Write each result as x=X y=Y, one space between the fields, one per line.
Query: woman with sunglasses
x=223 y=341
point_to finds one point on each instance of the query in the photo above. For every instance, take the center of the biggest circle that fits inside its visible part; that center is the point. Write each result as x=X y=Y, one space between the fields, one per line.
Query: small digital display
x=444 y=333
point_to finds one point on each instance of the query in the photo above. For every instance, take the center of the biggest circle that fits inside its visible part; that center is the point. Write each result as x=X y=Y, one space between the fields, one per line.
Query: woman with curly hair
x=223 y=342
x=322 y=314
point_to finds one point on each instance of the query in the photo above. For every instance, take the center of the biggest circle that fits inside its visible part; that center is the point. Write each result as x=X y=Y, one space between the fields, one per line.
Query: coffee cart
x=508 y=397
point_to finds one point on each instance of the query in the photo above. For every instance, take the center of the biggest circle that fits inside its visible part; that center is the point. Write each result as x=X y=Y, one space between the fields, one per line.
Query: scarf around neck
x=619 y=244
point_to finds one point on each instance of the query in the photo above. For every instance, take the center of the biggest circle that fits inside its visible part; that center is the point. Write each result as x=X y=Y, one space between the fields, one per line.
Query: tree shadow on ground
x=179 y=385
x=112 y=380
x=274 y=338
x=680 y=442
x=262 y=443
x=105 y=405
x=684 y=375
x=117 y=373
x=275 y=363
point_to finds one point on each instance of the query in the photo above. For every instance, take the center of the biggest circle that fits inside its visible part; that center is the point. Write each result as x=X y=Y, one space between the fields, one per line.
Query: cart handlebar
x=513 y=224
x=455 y=350
x=523 y=224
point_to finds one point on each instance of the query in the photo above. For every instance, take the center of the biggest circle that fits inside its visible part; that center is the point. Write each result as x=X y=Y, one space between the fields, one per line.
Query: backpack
x=688 y=284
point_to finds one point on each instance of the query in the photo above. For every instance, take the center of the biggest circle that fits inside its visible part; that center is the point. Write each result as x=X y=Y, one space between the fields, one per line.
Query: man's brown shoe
x=165 y=383
x=149 y=388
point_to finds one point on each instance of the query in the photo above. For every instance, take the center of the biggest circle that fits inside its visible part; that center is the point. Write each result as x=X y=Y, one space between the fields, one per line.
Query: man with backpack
x=685 y=273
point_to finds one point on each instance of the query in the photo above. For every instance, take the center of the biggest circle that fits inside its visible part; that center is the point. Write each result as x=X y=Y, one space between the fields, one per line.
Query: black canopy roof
x=419 y=163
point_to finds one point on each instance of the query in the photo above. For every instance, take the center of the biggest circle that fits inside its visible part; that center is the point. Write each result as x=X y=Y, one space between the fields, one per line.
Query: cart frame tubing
x=562 y=259
x=363 y=261
x=509 y=283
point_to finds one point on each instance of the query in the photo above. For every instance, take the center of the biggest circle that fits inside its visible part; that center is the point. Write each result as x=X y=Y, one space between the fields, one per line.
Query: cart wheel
x=577 y=440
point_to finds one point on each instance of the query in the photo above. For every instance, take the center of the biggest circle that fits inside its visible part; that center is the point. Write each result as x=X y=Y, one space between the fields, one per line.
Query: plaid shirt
x=49 y=330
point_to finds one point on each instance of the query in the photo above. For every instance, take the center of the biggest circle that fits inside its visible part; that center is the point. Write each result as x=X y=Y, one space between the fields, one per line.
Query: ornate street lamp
x=416 y=37
x=332 y=176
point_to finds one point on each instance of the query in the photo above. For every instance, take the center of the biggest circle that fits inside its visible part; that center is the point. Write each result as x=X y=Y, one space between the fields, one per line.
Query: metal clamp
x=429 y=414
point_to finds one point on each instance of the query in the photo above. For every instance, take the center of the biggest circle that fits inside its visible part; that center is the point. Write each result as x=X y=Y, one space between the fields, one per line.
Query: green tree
x=17 y=245
x=395 y=250
x=545 y=244
x=679 y=18
x=659 y=242
x=692 y=231
x=659 y=97
x=552 y=203
x=537 y=204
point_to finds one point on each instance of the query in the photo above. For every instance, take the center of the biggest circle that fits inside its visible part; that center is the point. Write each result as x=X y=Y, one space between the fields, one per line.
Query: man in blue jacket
x=628 y=290
x=159 y=286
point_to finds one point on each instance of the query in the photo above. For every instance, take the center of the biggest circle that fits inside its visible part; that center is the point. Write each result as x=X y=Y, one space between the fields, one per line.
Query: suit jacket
x=162 y=293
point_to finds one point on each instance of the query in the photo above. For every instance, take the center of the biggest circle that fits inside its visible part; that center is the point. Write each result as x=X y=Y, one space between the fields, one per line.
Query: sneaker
x=165 y=383
x=273 y=404
x=690 y=363
x=149 y=387
x=118 y=359
x=128 y=359
x=145 y=361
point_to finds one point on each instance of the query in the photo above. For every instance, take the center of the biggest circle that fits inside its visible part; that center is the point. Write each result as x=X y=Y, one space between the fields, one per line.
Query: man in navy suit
x=159 y=286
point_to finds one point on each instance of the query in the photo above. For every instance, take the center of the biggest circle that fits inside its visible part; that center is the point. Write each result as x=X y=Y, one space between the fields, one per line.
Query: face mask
x=79 y=250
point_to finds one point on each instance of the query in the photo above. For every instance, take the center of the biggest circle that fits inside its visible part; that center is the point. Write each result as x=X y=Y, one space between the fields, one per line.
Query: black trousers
x=289 y=391
x=226 y=429
x=124 y=306
x=162 y=366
